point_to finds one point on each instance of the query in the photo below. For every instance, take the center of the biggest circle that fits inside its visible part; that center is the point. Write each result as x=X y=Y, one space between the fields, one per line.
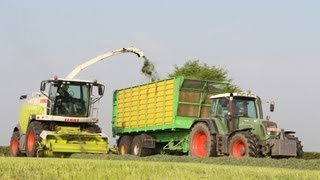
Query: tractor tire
x=137 y=149
x=202 y=142
x=93 y=128
x=14 y=145
x=124 y=145
x=33 y=139
x=244 y=144
x=299 y=146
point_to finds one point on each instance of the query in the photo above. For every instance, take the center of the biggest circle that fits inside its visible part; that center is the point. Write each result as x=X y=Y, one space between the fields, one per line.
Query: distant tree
x=194 y=69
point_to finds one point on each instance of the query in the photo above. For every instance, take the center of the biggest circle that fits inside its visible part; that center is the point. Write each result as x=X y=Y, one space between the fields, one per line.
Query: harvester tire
x=299 y=146
x=244 y=144
x=124 y=145
x=202 y=142
x=33 y=139
x=14 y=145
x=137 y=149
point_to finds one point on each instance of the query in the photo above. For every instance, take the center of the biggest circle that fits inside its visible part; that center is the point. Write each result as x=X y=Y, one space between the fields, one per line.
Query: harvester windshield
x=70 y=99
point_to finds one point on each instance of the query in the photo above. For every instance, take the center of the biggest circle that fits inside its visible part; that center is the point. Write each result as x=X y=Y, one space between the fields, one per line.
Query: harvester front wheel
x=14 y=145
x=33 y=139
x=202 y=142
x=244 y=144
x=137 y=149
x=124 y=145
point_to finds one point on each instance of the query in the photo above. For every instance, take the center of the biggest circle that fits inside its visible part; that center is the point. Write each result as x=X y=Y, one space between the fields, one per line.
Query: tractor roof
x=237 y=94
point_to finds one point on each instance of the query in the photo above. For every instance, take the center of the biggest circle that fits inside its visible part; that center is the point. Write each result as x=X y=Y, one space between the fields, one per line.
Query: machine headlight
x=273 y=131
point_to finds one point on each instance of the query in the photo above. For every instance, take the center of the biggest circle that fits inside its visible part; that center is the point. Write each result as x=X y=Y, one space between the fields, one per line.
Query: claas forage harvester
x=59 y=120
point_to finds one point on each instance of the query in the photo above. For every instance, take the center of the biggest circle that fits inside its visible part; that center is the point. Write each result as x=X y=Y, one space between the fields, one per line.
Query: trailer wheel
x=124 y=145
x=244 y=144
x=202 y=142
x=299 y=146
x=137 y=149
x=14 y=145
x=33 y=139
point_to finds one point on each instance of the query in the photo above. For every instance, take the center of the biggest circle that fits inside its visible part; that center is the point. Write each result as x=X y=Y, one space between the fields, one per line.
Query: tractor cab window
x=245 y=107
x=220 y=108
x=70 y=99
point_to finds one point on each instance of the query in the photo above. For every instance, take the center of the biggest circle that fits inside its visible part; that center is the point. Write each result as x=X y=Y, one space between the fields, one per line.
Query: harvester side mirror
x=23 y=97
x=271 y=106
x=43 y=86
x=101 y=90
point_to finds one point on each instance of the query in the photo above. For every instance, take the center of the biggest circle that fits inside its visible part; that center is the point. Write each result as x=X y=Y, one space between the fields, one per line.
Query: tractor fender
x=289 y=132
x=239 y=130
x=210 y=123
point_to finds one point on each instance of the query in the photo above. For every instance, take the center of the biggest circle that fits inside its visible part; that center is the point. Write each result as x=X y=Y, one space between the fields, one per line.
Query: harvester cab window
x=70 y=99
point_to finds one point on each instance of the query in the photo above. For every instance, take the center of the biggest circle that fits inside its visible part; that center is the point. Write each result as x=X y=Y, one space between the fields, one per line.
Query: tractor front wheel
x=244 y=144
x=33 y=139
x=202 y=142
x=299 y=146
x=14 y=145
x=124 y=145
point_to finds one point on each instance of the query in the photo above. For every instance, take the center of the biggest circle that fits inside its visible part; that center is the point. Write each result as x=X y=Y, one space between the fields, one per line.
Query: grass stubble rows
x=87 y=166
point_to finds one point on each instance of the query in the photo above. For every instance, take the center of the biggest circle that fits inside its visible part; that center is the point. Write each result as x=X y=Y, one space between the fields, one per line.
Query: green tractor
x=59 y=121
x=238 y=129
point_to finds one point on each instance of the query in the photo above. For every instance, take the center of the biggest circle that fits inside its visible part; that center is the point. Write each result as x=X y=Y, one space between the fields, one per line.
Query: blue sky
x=270 y=47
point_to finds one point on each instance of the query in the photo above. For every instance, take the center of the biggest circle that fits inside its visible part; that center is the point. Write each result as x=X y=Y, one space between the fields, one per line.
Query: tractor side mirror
x=43 y=86
x=271 y=106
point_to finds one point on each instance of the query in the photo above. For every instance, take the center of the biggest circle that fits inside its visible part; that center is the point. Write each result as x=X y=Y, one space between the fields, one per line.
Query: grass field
x=156 y=167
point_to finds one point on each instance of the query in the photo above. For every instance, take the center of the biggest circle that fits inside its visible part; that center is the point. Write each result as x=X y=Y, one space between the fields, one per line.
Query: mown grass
x=55 y=168
x=291 y=163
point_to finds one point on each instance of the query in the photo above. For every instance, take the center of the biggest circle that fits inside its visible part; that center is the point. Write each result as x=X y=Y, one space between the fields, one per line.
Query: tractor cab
x=239 y=111
x=72 y=98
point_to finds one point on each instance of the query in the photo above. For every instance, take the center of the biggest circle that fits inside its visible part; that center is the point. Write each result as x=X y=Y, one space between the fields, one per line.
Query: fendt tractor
x=60 y=120
x=182 y=115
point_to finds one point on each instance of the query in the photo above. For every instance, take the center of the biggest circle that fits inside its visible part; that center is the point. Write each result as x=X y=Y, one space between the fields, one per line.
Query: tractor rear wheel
x=14 y=145
x=244 y=144
x=137 y=149
x=33 y=139
x=124 y=145
x=299 y=146
x=202 y=142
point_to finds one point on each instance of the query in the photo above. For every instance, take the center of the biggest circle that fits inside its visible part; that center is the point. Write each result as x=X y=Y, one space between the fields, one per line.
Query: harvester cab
x=239 y=121
x=70 y=97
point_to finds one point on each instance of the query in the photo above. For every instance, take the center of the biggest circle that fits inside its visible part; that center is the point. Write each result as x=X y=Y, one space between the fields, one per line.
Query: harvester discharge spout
x=101 y=57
